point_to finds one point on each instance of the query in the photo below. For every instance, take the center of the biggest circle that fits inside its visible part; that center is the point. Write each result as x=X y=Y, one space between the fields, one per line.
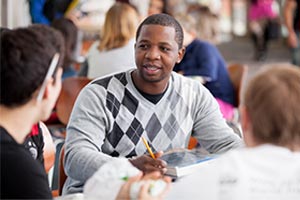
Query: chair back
x=69 y=92
x=62 y=175
x=237 y=73
x=49 y=148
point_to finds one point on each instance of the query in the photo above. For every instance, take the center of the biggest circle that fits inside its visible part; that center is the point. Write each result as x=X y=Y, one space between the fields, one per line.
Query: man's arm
x=289 y=8
x=86 y=134
x=210 y=128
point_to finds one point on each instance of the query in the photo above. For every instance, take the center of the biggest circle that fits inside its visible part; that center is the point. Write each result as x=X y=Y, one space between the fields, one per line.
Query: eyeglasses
x=50 y=72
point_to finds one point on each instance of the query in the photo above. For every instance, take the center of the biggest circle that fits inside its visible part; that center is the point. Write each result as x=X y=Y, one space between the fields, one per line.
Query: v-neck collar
x=140 y=96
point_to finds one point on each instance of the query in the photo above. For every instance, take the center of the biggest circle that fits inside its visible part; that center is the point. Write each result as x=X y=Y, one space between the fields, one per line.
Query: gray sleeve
x=210 y=128
x=85 y=134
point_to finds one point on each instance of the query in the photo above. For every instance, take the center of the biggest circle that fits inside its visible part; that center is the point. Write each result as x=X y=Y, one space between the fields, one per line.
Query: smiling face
x=156 y=52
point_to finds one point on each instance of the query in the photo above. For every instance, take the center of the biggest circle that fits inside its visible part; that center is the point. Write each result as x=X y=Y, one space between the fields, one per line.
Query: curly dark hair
x=26 y=54
x=163 y=20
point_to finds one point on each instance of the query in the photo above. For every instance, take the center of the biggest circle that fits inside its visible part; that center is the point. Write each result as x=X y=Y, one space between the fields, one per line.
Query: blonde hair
x=272 y=100
x=119 y=27
x=187 y=22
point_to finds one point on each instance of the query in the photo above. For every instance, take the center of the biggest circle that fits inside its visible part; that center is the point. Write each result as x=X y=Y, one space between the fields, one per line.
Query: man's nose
x=153 y=53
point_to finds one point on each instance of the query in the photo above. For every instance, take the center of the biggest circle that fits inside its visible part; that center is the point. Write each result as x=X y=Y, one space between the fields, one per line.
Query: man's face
x=156 y=52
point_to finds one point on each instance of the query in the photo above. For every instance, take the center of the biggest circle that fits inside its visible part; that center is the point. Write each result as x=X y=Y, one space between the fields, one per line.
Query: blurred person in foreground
x=30 y=85
x=39 y=141
x=268 y=168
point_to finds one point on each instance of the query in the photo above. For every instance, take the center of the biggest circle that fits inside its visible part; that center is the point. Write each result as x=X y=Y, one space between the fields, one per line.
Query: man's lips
x=151 y=68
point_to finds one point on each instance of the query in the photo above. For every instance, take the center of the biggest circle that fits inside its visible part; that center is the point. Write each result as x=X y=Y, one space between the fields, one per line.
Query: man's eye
x=143 y=46
x=165 y=49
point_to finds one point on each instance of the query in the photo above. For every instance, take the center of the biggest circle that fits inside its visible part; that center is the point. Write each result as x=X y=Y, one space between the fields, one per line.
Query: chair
x=192 y=143
x=69 y=92
x=62 y=175
x=237 y=73
x=49 y=148
x=56 y=186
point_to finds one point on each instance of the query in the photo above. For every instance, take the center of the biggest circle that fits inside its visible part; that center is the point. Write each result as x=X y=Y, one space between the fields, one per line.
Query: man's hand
x=147 y=164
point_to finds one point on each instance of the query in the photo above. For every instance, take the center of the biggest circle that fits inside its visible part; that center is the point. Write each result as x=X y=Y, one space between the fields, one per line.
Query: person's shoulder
x=204 y=46
x=185 y=83
x=202 y=43
x=120 y=77
x=15 y=152
x=93 y=48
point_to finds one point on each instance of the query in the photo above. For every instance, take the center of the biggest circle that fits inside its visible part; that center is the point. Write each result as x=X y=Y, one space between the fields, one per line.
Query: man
x=269 y=167
x=112 y=113
x=293 y=26
x=30 y=84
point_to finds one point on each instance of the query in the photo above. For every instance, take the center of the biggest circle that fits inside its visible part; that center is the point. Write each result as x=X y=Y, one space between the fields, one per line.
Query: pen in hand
x=148 y=147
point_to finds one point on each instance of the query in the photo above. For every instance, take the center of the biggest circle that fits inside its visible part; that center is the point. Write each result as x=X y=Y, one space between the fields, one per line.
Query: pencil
x=148 y=148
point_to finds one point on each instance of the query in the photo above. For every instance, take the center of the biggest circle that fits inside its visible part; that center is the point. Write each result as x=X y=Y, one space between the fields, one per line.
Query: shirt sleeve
x=210 y=128
x=85 y=135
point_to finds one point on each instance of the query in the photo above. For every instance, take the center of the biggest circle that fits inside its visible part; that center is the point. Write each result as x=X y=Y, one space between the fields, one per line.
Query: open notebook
x=184 y=161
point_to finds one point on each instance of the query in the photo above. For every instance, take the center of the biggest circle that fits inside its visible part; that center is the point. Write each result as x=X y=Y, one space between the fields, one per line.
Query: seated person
x=268 y=168
x=35 y=140
x=70 y=34
x=202 y=61
x=112 y=113
x=40 y=144
x=114 y=52
x=30 y=84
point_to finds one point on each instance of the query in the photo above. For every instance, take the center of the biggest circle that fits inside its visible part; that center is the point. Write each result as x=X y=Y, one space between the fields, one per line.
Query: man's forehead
x=158 y=31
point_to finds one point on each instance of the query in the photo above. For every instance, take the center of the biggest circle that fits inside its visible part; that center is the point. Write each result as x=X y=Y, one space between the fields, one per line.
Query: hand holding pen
x=148 y=147
x=150 y=163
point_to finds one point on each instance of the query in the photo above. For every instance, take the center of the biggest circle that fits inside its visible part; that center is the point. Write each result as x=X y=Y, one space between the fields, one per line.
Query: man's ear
x=48 y=88
x=247 y=127
x=181 y=53
x=244 y=118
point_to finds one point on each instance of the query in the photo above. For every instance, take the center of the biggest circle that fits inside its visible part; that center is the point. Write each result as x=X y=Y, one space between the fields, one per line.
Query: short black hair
x=163 y=20
x=26 y=54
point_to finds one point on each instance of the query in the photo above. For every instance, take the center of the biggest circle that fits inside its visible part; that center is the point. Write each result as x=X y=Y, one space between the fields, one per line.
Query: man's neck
x=17 y=122
x=152 y=88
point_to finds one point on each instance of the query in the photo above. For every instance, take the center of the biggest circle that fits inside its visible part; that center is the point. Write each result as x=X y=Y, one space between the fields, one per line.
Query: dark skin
x=156 y=53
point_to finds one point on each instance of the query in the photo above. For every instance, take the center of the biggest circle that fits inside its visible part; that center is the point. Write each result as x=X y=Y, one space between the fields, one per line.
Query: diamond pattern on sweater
x=112 y=104
x=153 y=127
x=130 y=102
x=135 y=131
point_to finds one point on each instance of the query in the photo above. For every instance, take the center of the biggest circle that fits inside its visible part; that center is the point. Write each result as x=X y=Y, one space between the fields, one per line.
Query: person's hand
x=292 y=40
x=124 y=192
x=147 y=164
x=144 y=191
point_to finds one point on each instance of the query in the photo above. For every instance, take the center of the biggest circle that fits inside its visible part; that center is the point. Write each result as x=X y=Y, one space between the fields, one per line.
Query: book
x=183 y=162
